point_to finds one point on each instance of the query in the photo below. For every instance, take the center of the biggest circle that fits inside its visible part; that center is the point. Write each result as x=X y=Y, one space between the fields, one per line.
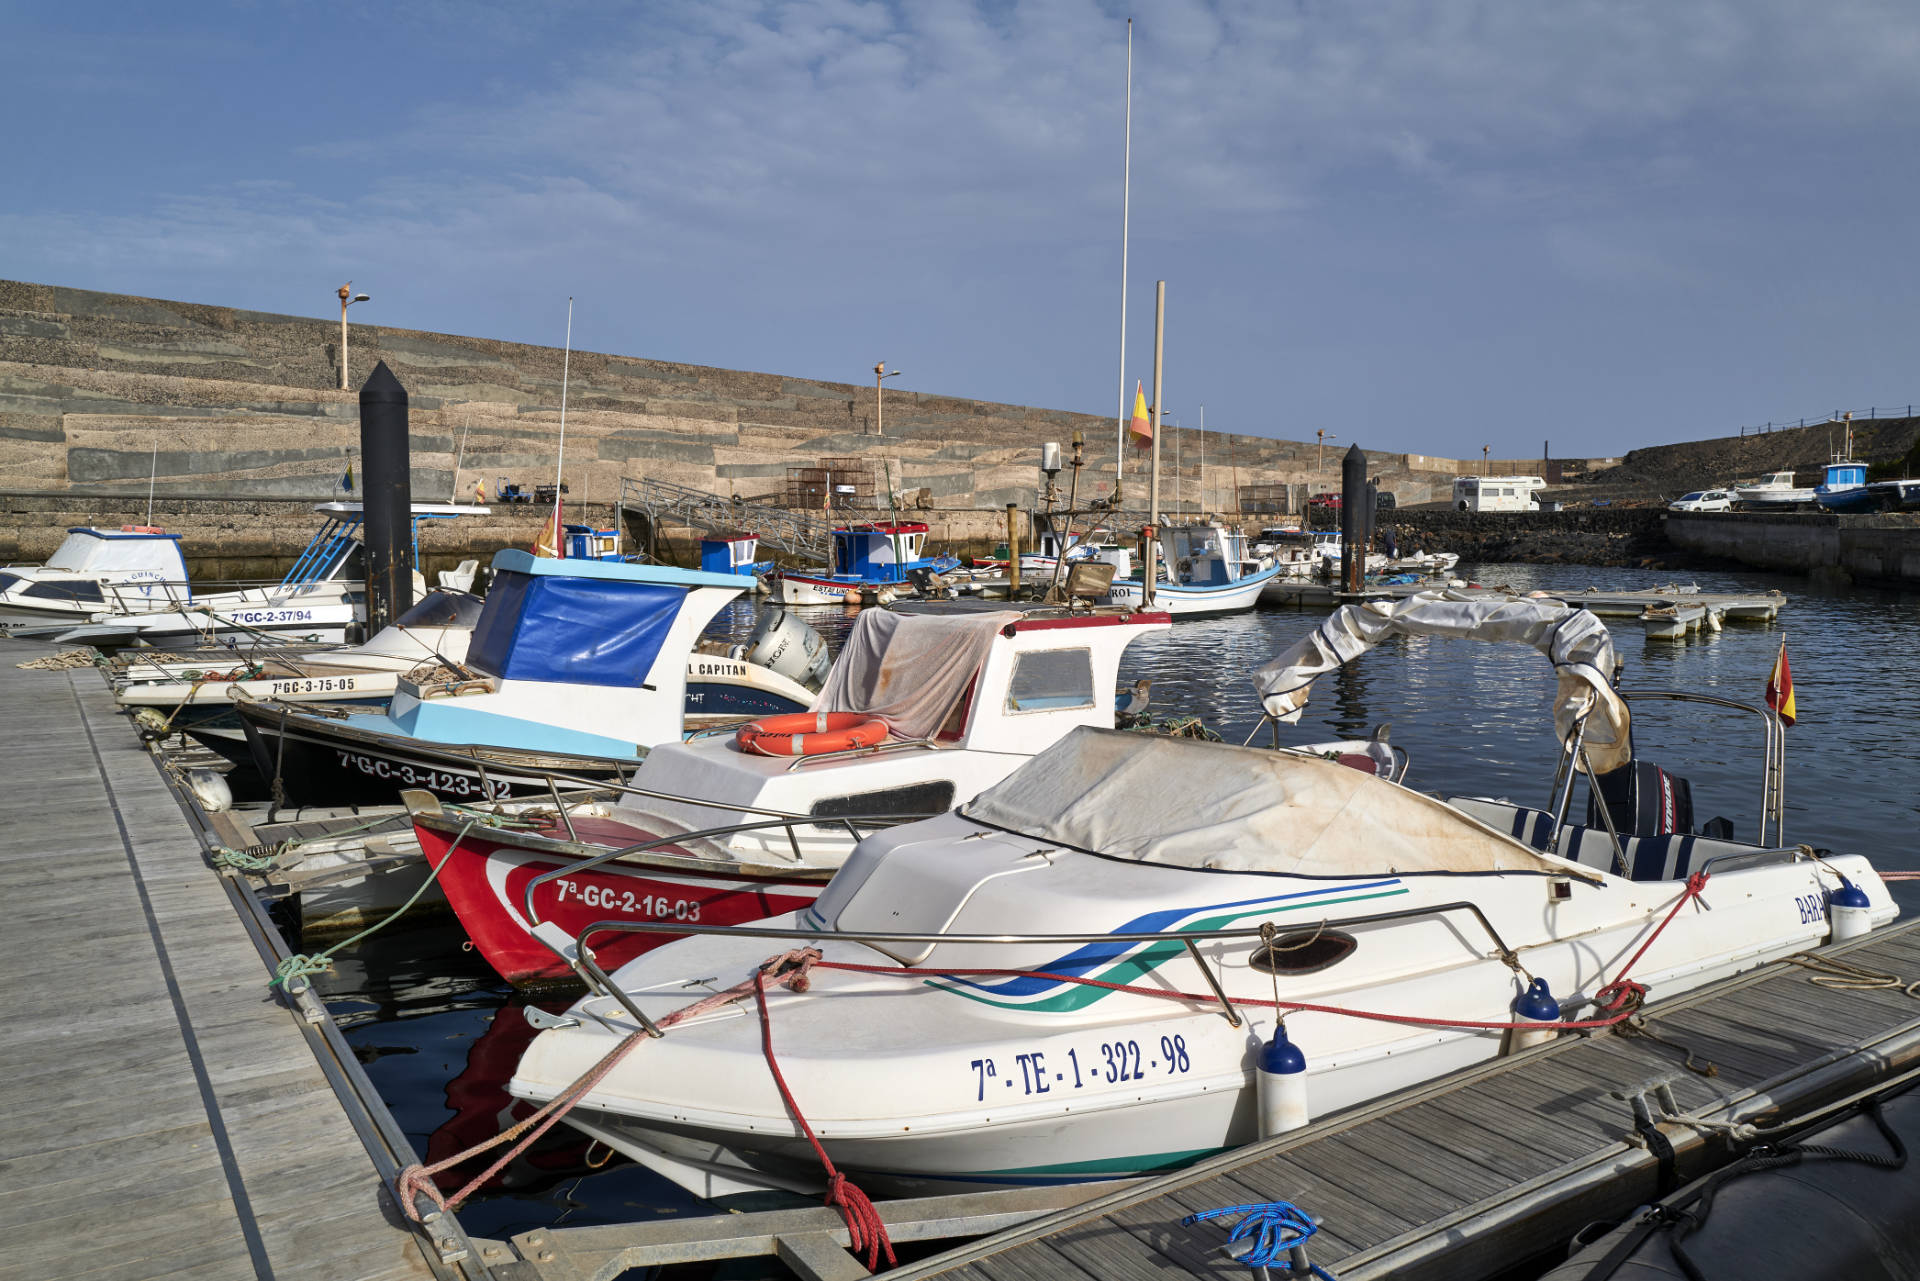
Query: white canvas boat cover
x=91 y=551
x=1186 y=803
x=1577 y=643
x=909 y=670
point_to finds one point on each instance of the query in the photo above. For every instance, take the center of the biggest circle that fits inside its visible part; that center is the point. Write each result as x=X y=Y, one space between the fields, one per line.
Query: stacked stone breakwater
x=1599 y=536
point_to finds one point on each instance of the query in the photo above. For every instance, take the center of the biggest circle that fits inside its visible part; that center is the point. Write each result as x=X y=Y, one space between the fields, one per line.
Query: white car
x=1703 y=500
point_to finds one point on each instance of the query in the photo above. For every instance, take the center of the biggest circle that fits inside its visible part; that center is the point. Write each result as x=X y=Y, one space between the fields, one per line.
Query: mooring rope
x=1275 y=1227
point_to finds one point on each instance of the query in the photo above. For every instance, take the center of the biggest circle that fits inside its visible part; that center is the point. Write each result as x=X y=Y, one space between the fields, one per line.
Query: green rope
x=292 y=973
x=240 y=860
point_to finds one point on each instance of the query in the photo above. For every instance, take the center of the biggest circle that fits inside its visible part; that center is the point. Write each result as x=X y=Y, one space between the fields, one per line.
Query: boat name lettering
x=1111 y=1063
x=438 y=781
x=1813 y=907
x=609 y=899
x=271 y=616
x=717 y=667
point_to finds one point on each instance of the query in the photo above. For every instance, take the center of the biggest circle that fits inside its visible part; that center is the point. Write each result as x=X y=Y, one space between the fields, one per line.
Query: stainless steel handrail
x=597 y=979
x=1773 y=777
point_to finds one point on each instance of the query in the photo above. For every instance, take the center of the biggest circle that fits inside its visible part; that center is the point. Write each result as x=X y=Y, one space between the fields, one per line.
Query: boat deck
x=1480 y=1171
x=166 y=1115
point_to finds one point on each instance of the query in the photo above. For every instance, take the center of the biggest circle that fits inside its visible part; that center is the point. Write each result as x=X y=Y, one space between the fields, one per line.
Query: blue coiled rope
x=1274 y=1227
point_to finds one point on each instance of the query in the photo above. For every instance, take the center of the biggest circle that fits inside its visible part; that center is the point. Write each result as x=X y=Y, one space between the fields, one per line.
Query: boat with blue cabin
x=575 y=667
x=1844 y=489
x=866 y=558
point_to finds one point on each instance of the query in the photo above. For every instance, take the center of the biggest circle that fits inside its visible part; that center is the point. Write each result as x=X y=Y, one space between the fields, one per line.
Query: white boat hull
x=1194 y=602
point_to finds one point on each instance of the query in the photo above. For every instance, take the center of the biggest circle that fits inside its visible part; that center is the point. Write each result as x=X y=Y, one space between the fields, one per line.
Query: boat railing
x=1773 y=775
x=579 y=955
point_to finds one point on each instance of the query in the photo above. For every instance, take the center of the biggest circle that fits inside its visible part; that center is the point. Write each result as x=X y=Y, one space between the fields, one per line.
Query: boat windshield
x=441 y=608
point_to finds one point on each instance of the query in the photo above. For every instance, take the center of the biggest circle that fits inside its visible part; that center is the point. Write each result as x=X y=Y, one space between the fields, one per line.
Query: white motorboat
x=321 y=598
x=966 y=692
x=131 y=568
x=1773 y=491
x=1204 y=570
x=1077 y=975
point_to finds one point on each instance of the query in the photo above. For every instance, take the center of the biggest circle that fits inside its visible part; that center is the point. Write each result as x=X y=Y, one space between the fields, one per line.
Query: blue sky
x=1426 y=227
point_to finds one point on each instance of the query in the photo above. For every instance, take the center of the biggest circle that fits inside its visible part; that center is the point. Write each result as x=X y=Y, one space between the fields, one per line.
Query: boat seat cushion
x=1528 y=826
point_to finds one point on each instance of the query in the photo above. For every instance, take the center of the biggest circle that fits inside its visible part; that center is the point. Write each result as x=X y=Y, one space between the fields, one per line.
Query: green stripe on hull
x=1152 y=1163
x=1078 y=996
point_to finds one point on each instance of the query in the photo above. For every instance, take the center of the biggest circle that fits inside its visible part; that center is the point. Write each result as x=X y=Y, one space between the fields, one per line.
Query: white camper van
x=1497 y=493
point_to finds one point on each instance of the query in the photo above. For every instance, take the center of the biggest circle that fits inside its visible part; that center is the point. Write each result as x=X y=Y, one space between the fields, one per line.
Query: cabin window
x=1048 y=680
x=912 y=801
x=72 y=589
x=1303 y=952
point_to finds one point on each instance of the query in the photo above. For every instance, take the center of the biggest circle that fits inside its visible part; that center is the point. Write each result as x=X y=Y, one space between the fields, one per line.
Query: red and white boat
x=967 y=692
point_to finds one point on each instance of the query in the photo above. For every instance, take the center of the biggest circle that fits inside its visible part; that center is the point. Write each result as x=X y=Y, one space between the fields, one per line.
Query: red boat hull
x=486 y=877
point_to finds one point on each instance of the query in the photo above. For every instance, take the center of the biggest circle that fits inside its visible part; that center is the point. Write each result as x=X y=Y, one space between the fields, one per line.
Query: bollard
x=386 y=459
x=1013 y=550
x=1353 y=492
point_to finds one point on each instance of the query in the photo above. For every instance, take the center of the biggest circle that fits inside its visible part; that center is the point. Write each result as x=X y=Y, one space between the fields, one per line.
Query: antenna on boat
x=1126 y=192
x=560 y=460
x=153 y=469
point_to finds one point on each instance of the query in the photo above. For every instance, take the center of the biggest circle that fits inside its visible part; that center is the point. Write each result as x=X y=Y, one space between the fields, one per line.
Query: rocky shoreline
x=1626 y=536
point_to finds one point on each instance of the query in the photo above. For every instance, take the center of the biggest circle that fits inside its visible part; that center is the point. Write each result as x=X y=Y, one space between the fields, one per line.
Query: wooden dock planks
x=1462 y=1177
x=166 y=1115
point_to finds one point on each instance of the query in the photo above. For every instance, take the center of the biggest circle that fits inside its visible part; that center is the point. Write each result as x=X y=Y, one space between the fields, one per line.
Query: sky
x=1427 y=227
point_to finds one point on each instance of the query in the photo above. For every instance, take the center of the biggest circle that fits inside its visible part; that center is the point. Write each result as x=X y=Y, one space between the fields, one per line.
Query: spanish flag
x=1780 y=687
x=1141 y=429
x=550 y=542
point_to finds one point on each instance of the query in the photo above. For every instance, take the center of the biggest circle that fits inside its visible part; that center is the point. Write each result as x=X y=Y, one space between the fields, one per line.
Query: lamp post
x=880 y=376
x=1485 y=466
x=1320 y=458
x=347 y=299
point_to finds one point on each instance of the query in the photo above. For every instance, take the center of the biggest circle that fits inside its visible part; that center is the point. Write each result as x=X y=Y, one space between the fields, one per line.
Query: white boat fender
x=1535 y=1005
x=209 y=789
x=1281 y=1083
x=1849 y=911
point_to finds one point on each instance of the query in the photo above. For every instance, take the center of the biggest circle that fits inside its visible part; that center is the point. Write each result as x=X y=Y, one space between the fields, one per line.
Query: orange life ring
x=809 y=733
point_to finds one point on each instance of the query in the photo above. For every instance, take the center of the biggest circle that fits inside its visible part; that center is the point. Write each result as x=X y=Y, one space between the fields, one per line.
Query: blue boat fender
x=1535 y=1005
x=1849 y=912
x=1280 y=1076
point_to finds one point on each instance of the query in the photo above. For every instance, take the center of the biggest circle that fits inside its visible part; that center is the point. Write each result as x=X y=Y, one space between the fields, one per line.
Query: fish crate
x=1267 y=500
x=834 y=483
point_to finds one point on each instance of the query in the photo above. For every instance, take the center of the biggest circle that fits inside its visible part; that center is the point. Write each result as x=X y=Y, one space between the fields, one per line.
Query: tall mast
x=1126 y=192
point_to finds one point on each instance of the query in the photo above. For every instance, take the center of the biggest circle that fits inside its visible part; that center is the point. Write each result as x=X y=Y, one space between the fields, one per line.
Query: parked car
x=1703 y=500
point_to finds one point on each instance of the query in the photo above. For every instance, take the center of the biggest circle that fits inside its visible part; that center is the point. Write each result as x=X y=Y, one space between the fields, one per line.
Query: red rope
x=865 y=1231
x=1623 y=994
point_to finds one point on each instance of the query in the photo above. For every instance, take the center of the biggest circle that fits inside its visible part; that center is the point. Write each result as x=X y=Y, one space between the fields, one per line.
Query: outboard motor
x=782 y=642
x=1643 y=800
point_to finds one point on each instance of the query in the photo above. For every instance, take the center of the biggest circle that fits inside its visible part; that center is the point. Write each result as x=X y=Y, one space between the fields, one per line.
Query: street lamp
x=880 y=376
x=1484 y=464
x=347 y=299
x=1320 y=458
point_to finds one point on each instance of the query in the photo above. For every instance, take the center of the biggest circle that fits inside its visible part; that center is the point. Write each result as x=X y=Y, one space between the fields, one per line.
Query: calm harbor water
x=440 y=1034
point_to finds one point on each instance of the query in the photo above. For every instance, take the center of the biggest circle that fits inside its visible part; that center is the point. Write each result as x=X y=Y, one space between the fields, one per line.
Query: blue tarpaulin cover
x=583 y=631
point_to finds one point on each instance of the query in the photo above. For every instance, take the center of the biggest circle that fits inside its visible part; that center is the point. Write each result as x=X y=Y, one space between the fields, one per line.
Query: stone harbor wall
x=1824 y=545
x=1605 y=536
x=97 y=388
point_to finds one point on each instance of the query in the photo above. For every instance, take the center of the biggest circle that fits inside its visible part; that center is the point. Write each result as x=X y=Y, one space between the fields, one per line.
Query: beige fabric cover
x=909 y=670
x=1577 y=642
x=1187 y=803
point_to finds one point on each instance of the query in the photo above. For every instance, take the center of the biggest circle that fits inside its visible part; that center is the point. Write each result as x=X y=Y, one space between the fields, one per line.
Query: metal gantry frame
x=798 y=533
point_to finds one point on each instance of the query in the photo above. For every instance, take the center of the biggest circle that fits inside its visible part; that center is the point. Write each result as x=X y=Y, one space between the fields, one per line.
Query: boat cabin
x=581 y=656
x=967 y=690
x=730 y=553
x=878 y=553
x=1204 y=555
x=146 y=560
x=584 y=542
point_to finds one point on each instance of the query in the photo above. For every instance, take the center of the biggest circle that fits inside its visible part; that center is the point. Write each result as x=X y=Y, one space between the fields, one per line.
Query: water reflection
x=440 y=1034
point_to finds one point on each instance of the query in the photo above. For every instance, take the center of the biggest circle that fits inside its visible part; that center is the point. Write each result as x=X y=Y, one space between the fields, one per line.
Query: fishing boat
x=134 y=567
x=867 y=560
x=733 y=553
x=1206 y=571
x=1774 y=491
x=1077 y=974
x=574 y=667
x=321 y=598
x=197 y=696
x=715 y=830
x=1844 y=487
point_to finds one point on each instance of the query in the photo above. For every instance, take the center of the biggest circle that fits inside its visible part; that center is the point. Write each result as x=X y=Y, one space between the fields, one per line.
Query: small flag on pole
x=1780 y=687
x=480 y=490
x=1140 y=429
x=549 y=543
x=346 y=481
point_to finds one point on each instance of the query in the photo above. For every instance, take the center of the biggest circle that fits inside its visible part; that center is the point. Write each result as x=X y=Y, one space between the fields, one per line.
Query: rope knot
x=1621 y=995
x=792 y=969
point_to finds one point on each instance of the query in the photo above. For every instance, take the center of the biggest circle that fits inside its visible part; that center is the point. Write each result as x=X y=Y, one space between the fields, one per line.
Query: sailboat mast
x=560 y=459
x=1126 y=192
x=1159 y=350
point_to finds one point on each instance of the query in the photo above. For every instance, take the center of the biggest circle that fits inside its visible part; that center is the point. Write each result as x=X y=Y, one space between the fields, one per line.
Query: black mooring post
x=1373 y=513
x=1353 y=497
x=388 y=497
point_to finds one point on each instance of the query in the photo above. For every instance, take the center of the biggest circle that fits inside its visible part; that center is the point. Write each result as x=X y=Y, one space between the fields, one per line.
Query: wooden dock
x=166 y=1115
x=1483 y=1170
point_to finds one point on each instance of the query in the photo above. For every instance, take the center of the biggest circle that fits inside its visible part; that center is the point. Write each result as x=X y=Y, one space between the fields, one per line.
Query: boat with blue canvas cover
x=133 y=567
x=866 y=558
x=574 y=667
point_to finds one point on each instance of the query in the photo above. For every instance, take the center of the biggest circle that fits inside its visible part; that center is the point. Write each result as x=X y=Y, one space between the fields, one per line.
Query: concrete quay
x=1882 y=548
